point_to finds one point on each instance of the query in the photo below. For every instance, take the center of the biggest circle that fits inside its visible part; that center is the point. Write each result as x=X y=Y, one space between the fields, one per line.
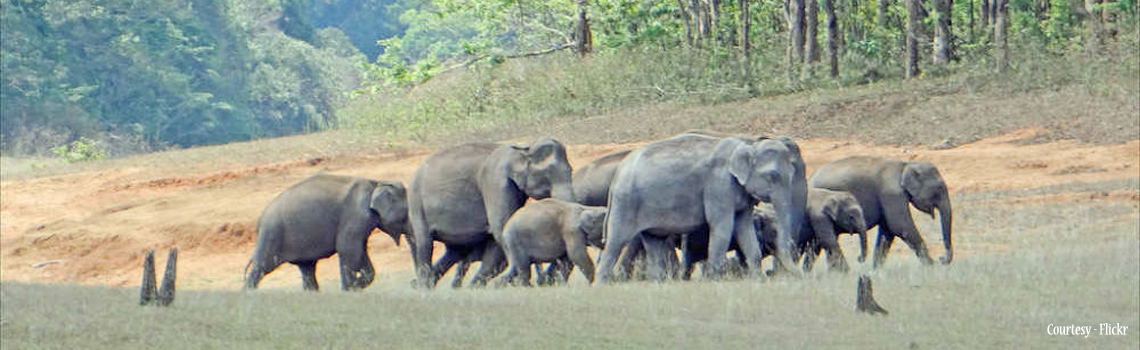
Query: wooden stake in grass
x=146 y=295
x=864 y=301
x=166 y=291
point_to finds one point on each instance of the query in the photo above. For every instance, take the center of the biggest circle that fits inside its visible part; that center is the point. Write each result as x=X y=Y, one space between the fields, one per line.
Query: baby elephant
x=551 y=230
x=831 y=213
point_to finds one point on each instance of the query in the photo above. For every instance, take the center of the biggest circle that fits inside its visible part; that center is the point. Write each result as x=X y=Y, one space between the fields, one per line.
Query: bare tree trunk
x=832 y=37
x=973 y=34
x=745 y=45
x=148 y=289
x=1001 y=52
x=582 y=33
x=745 y=28
x=795 y=13
x=984 y=15
x=686 y=18
x=811 y=31
x=166 y=289
x=881 y=15
x=942 y=40
x=912 y=23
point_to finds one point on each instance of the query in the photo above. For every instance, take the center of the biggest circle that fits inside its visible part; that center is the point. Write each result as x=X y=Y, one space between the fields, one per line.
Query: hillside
x=90 y=223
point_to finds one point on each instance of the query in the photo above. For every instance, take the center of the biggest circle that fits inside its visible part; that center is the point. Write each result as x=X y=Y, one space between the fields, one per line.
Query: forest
x=87 y=79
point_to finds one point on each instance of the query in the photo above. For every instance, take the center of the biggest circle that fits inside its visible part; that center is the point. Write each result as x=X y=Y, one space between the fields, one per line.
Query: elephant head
x=592 y=223
x=844 y=210
x=542 y=171
x=926 y=190
x=390 y=202
x=772 y=170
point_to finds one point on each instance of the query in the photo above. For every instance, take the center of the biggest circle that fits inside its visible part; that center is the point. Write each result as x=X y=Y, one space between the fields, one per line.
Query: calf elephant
x=322 y=215
x=550 y=230
x=830 y=213
x=884 y=188
x=690 y=182
x=462 y=196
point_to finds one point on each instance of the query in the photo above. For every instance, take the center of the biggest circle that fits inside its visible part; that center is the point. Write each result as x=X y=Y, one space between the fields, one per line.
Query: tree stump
x=146 y=295
x=864 y=301
x=166 y=291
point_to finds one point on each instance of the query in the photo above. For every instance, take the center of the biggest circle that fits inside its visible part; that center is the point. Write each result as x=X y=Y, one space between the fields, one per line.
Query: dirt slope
x=94 y=227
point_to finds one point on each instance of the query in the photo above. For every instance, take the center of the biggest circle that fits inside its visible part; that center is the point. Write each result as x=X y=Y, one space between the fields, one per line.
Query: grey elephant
x=322 y=215
x=592 y=181
x=592 y=187
x=463 y=195
x=692 y=182
x=884 y=188
x=830 y=213
x=551 y=230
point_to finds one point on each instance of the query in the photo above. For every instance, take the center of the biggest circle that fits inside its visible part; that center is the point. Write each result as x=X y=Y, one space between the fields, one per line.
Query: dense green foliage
x=642 y=56
x=137 y=75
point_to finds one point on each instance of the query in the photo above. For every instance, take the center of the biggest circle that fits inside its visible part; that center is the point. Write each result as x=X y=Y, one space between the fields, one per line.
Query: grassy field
x=1025 y=261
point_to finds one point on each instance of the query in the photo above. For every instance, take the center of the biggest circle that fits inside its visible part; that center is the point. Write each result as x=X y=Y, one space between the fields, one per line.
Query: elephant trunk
x=563 y=191
x=946 y=214
x=862 y=231
x=791 y=218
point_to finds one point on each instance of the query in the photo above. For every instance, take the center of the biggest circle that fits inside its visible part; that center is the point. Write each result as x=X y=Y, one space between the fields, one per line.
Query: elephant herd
x=511 y=207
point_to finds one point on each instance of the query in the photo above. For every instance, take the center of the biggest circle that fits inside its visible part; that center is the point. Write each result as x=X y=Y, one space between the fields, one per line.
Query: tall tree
x=811 y=29
x=794 y=10
x=1001 y=21
x=912 y=27
x=686 y=19
x=583 y=36
x=832 y=37
x=942 y=36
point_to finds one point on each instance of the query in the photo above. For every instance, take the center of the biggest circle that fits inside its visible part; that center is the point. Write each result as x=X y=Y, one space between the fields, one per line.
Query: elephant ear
x=911 y=180
x=740 y=164
x=519 y=166
x=831 y=207
x=390 y=201
x=543 y=151
x=592 y=222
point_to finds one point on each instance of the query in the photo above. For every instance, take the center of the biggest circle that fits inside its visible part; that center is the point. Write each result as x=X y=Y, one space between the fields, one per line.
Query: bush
x=82 y=149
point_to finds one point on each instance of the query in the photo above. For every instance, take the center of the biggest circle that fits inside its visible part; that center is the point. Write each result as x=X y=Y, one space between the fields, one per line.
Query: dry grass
x=1020 y=268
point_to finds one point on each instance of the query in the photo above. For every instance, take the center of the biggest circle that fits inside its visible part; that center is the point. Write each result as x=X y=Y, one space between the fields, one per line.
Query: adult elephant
x=884 y=188
x=322 y=215
x=692 y=182
x=592 y=181
x=592 y=188
x=462 y=196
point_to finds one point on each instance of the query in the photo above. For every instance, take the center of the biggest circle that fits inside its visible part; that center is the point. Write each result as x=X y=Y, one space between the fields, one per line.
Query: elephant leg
x=426 y=274
x=460 y=273
x=900 y=223
x=883 y=246
x=826 y=237
x=576 y=253
x=628 y=258
x=618 y=230
x=355 y=266
x=308 y=275
x=452 y=255
x=810 y=254
x=747 y=242
x=688 y=257
x=522 y=272
x=494 y=262
x=656 y=258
